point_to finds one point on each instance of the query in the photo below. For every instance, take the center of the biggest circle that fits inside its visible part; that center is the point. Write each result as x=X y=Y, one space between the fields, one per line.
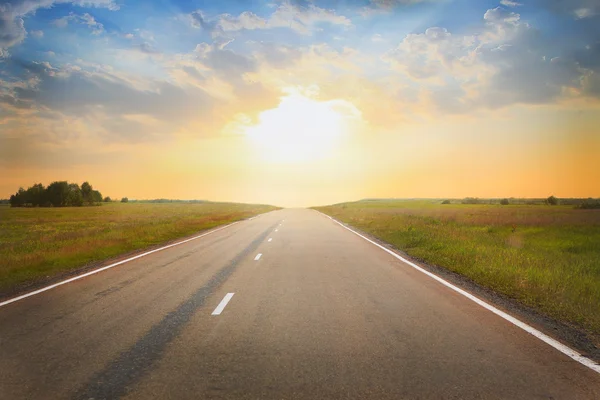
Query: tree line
x=57 y=194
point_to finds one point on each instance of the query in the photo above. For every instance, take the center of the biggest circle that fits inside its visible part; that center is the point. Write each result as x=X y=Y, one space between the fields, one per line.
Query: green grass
x=547 y=257
x=37 y=243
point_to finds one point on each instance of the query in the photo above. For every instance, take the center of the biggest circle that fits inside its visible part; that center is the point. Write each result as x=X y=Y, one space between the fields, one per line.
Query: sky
x=300 y=103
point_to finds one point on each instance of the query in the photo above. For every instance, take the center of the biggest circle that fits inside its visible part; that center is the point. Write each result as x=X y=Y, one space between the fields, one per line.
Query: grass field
x=36 y=243
x=547 y=257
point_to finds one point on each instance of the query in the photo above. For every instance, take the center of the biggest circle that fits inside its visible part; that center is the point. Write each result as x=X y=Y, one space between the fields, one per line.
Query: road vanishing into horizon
x=287 y=305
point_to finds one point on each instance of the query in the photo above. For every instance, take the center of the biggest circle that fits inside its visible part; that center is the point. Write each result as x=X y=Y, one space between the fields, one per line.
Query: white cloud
x=510 y=3
x=37 y=34
x=396 y=3
x=146 y=48
x=102 y=96
x=500 y=15
x=579 y=9
x=85 y=19
x=431 y=54
x=386 y=6
x=13 y=12
x=246 y=20
x=145 y=35
x=287 y=15
x=584 y=13
x=506 y=62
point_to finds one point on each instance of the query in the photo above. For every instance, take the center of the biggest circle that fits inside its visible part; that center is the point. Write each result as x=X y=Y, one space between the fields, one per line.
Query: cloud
x=510 y=3
x=284 y=65
x=12 y=30
x=12 y=14
x=224 y=62
x=579 y=9
x=202 y=90
x=246 y=20
x=302 y=19
x=388 y=4
x=101 y=100
x=507 y=62
x=37 y=34
x=86 y=19
x=501 y=16
x=430 y=54
x=385 y=6
x=146 y=48
x=73 y=90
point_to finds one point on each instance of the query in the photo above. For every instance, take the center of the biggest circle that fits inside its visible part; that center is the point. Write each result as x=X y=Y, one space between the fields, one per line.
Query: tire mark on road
x=120 y=375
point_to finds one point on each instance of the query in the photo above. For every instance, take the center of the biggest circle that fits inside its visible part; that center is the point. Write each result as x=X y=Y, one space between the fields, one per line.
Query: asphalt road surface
x=320 y=314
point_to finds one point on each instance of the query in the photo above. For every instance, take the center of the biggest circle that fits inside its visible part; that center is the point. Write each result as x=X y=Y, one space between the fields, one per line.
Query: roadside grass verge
x=38 y=243
x=546 y=257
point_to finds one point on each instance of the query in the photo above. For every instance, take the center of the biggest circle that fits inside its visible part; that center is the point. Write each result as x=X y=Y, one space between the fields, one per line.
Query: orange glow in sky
x=300 y=105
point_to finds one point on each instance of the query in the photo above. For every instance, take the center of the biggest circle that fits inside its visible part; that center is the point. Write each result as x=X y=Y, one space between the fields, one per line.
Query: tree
x=17 y=199
x=36 y=195
x=552 y=200
x=446 y=202
x=124 y=200
x=57 y=193
x=74 y=197
x=96 y=196
x=86 y=192
x=107 y=199
x=504 y=202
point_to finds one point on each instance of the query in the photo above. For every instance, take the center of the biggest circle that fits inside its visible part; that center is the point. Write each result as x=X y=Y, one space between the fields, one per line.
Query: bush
x=504 y=202
x=107 y=199
x=446 y=202
x=124 y=200
x=471 y=200
x=552 y=200
x=590 y=204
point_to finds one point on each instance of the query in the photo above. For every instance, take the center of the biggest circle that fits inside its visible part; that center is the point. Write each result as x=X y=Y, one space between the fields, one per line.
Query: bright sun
x=301 y=129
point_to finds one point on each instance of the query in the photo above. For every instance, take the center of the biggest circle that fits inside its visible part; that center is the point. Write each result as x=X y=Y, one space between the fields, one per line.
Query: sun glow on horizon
x=301 y=128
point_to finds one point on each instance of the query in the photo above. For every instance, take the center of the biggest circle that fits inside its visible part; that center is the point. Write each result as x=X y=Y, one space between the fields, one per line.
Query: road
x=321 y=314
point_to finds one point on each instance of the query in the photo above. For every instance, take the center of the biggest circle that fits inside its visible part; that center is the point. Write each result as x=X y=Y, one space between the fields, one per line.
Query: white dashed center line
x=258 y=256
x=222 y=304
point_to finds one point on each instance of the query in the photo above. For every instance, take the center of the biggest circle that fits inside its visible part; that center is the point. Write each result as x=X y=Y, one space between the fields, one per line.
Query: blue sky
x=166 y=26
x=108 y=74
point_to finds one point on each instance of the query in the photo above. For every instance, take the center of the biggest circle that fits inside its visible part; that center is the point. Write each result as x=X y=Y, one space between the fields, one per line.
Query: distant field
x=547 y=257
x=39 y=242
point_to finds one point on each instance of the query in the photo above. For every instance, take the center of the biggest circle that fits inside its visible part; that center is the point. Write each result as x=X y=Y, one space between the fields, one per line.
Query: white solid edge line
x=222 y=304
x=258 y=256
x=529 y=329
x=110 y=266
